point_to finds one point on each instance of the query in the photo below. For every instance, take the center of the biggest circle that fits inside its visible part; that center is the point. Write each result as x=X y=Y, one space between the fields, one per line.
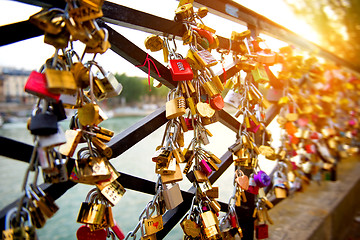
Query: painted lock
x=180 y=70
x=262 y=179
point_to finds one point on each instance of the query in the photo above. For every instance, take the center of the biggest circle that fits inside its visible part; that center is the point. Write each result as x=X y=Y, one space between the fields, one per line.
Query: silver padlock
x=53 y=140
x=172 y=195
x=107 y=83
x=233 y=98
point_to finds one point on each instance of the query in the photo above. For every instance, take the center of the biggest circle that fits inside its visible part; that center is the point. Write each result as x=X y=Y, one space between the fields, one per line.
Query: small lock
x=50 y=21
x=45 y=203
x=59 y=41
x=152 y=224
x=91 y=212
x=262 y=231
x=107 y=84
x=262 y=179
x=242 y=180
x=253 y=188
x=205 y=167
x=184 y=12
x=190 y=227
x=180 y=70
x=89 y=114
x=175 y=105
x=21 y=230
x=73 y=138
x=217 y=102
x=171 y=178
x=205 y=58
x=233 y=98
x=52 y=140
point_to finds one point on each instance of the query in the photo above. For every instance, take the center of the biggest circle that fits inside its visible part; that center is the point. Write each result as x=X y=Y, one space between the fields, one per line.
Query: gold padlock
x=205 y=58
x=60 y=81
x=184 y=12
x=175 y=105
x=88 y=114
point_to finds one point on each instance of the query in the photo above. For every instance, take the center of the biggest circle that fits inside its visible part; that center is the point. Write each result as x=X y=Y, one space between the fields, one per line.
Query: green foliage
x=337 y=22
x=134 y=88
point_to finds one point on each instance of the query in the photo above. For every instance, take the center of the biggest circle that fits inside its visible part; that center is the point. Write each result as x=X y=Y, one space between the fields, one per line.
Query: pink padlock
x=253 y=188
x=205 y=167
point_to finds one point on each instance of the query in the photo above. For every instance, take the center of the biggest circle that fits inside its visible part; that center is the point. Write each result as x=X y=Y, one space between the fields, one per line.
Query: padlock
x=84 y=13
x=274 y=95
x=262 y=179
x=45 y=203
x=89 y=114
x=36 y=85
x=180 y=70
x=73 y=138
x=113 y=192
x=175 y=105
x=172 y=195
x=154 y=43
x=60 y=81
x=190 y=227
x=84 y=233
x=242 y=180
x=203 y=187
x=205 y=58
x=24 y=229
x=200 y=176
x=91 y=211
x=210 y=224
x=107 y=84
x=162 y=155
x=233 y=98
x=205 y=168
x=184 y=12
x=102 y=147
x=253 y=188
x=217 y=102
x=208 y=86
x=107 y=220
x=117 y=230
x=90 y=169
x=37 y=217
x=166 y=167
x=195 y=65
x=52 y=140
x=59 y=41
x=152 y=224
x=50 y=21
x=81 y=75
x=171 y=178
x=262 y=231
x=204 y=109
x=43 y=123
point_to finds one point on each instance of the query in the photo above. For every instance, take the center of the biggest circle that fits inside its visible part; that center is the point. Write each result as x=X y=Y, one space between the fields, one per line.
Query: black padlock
x=43 y=124
x=59 y=110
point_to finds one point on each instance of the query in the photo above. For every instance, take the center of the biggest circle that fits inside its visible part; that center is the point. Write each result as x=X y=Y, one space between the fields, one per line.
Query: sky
x=32 y=53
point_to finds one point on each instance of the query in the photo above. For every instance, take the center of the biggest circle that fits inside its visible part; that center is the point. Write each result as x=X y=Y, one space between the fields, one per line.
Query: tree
x=136 y=87
x=337 y=22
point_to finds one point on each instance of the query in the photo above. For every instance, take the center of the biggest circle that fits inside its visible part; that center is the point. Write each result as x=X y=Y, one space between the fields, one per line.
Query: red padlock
x=36 y=85
x=217 y=102
x=84 y=233
x=262 y=231
x=188 y=122
x=117 y=230
x=180 y=70
x=233 y=221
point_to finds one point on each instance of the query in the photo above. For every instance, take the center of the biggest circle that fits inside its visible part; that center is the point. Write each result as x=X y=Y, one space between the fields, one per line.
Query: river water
x=135 y=161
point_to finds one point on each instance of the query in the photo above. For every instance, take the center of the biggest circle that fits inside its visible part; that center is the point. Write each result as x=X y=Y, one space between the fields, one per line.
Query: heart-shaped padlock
x=217 y=102
x=242 y=180
x=84 y=233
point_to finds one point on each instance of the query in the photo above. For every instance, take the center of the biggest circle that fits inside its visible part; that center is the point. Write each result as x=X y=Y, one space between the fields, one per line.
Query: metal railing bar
x=19 y=31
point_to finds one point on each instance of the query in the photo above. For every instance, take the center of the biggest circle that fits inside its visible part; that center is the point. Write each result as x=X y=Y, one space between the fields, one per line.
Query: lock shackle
x=90 y=193
x=23 y=214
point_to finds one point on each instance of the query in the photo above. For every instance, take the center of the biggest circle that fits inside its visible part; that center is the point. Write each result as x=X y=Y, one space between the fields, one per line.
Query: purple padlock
x=205 y=167
x=262 y=179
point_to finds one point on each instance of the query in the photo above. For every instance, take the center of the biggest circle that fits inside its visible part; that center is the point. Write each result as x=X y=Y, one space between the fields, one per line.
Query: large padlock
x=89 y=167
x=36 y=85
x=153 y=224
x=180 y=70
x=172 y=195
x=190 y=227
x=175 y=105
x=107 y=221
x=91 y=211
x=60 y=81
x=43 y=123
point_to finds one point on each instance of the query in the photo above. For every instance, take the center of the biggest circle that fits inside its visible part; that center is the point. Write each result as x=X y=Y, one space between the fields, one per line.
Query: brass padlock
x=91 y=211
x=175 y=105
x=73 y=138
x=205 y=58
x=153 y=224
x=107 y=84
x=184 y=12
x=89 y=114
x=60 y=81
x=50 y=21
